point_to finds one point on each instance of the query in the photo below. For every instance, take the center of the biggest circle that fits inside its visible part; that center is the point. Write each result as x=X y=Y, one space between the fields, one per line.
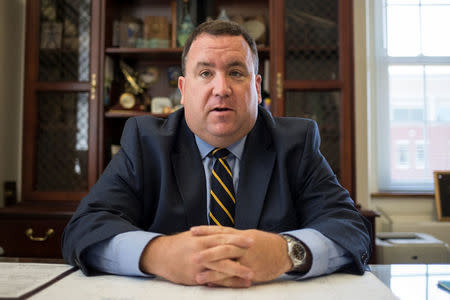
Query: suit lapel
x=255 y=173
x=190 y=176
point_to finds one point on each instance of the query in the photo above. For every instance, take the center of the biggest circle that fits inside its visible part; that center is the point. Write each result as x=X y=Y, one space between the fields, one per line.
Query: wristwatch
x=296 y=251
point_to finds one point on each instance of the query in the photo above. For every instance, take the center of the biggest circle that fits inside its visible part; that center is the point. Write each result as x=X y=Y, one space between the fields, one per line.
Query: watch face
x=298 y=251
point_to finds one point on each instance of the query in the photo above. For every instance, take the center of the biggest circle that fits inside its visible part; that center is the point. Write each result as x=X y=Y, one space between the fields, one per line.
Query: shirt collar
x=237 y=148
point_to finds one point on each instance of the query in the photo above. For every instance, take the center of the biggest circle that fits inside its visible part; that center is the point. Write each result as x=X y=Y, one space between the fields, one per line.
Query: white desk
x=336 y=286
x=60 y=281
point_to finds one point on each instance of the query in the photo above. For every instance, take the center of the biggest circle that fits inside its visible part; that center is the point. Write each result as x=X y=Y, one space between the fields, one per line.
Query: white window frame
x=448 y=153
x=380 y=85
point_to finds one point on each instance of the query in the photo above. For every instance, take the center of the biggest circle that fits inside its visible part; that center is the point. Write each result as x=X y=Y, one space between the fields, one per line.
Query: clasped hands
x=217 y=256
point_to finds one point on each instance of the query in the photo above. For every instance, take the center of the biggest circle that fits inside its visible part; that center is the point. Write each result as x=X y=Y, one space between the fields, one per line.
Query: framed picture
x=442 y=194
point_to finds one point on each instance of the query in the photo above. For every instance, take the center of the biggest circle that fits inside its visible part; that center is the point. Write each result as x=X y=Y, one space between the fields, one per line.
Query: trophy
x=133 y=88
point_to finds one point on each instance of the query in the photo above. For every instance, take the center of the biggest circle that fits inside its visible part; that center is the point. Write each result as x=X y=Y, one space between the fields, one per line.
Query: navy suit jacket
x=156 y=183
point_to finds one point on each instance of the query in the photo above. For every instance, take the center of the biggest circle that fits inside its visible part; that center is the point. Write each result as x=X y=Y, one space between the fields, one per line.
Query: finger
x=228 y=267
x=220 y=252
x=207 y=230
x=210 y=276
x=224 y=280
x=234 y=282
x=238 y=240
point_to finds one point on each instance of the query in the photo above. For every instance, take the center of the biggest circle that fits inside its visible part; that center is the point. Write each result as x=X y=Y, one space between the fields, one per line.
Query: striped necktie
x=222 y=200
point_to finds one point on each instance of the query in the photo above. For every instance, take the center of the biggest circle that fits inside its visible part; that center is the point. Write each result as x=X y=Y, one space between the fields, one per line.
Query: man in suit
x=149 y=212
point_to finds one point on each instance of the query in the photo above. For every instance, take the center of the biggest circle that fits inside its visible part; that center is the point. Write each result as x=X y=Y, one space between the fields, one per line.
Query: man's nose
x=221 y=86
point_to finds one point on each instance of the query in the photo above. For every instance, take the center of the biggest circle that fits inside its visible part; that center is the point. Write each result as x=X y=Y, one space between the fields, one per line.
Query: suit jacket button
x=364 y=258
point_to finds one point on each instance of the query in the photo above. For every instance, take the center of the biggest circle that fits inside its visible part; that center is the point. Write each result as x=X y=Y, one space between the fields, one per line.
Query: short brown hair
x=220 y=28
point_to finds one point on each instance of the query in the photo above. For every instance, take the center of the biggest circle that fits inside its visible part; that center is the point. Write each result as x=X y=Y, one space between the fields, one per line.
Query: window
x=412 y=91
x=402 y=154
x=407 y=114
x=420 y=154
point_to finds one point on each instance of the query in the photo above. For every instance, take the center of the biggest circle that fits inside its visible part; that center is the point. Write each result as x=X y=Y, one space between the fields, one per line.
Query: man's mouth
x=220 y=109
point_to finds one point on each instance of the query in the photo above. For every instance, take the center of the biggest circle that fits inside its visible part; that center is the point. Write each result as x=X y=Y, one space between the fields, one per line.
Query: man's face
x=220 y=91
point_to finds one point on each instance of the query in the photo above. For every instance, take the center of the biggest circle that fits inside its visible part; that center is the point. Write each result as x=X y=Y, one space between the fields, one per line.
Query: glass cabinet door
x=60 y=100
x=311 y=45
x=64 y=44
x=62 y=142
x=324 y=108
x=313 y=73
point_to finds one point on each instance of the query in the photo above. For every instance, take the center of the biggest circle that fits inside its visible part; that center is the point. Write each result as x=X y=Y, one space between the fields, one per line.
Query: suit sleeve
x=113 y=206
x=324 y=205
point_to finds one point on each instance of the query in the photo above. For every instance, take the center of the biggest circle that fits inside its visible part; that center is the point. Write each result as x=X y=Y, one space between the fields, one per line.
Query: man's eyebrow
x=204 y=64
x=237 y=63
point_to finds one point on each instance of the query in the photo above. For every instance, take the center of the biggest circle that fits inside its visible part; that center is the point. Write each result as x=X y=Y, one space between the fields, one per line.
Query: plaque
x=156 y=27
x=129 y=32
x=161 y=105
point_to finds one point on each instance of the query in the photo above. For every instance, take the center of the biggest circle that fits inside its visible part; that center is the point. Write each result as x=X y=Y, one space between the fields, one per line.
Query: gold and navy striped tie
x=222 y=200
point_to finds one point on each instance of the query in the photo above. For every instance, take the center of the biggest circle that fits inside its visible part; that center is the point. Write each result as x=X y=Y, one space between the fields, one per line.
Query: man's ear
x=181 y=82
x=258 y=80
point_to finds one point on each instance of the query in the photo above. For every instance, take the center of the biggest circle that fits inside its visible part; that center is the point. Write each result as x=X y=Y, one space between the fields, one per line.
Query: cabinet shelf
x=117 y=113
x=123 y=50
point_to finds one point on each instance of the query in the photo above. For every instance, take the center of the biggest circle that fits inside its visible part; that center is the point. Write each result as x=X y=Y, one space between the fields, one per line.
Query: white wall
x=362 y=133
x=12 y=36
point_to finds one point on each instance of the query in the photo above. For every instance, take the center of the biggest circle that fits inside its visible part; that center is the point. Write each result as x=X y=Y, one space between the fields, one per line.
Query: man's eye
x=236 y=74
x=205 y=74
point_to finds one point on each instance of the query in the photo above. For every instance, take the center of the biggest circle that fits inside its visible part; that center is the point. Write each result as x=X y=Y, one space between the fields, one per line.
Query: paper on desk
x=110 y=287
x=17 y=279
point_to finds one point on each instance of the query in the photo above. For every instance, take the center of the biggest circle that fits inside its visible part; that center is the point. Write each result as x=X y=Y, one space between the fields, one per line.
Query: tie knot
x=220 y=152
